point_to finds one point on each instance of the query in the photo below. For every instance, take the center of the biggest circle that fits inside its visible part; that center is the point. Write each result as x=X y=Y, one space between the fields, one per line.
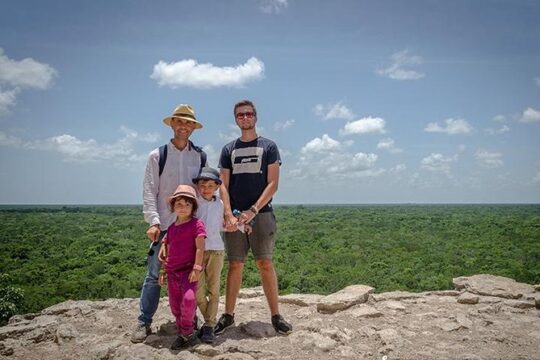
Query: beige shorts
x=261 y=240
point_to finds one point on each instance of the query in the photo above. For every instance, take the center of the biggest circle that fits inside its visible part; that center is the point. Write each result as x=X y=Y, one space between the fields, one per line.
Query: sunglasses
x=247 y=115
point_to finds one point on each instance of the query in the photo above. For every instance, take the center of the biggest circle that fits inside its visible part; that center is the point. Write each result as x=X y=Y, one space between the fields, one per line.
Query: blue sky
x=369 y=101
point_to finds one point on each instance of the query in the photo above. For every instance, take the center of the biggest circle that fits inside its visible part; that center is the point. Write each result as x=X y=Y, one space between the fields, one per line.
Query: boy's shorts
x=261 y=240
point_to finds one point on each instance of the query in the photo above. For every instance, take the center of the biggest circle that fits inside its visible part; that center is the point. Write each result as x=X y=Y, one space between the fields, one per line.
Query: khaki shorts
x=261 y=240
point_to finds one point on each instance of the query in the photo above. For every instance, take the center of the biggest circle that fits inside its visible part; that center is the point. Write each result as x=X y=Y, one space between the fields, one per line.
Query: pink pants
x=182 y=300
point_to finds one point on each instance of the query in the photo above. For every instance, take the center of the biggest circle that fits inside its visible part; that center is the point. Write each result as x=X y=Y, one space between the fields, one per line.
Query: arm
x=150 y=192
x=269 y=191
x=229 y=219
x=199 y=254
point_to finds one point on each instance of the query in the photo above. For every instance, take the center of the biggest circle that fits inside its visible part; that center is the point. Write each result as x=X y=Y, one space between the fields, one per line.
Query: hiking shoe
x=207 y=335
x=280 y=325
x=185 y=342
x=140 y=333
x=224 y=322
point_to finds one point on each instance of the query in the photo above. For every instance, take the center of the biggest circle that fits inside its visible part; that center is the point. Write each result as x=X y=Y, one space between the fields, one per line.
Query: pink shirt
x=181 y=244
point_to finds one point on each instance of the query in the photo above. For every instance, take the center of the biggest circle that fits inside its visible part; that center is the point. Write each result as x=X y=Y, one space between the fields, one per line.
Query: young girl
x=182 y=253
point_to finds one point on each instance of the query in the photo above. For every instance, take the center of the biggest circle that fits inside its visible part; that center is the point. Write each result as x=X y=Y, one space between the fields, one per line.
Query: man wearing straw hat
x=177 y=162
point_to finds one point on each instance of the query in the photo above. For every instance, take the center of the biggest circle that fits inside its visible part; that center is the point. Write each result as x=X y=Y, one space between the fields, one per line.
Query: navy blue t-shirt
x=248 y=165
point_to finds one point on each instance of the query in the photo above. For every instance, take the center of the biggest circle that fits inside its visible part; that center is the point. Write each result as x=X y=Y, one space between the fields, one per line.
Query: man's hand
x=246 y=217
x=153 y=232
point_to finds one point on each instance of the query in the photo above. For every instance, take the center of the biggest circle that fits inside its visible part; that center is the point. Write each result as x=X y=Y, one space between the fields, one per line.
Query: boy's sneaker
x=185 y=342
x=140 y=333
x=224 y=322
x=280 y=325
x=207 y=334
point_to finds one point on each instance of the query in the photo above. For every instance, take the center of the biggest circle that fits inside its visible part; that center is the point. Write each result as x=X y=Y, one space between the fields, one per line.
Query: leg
x=269 y=283
x=188 y=304
x=202 y=300
x=234 y=283
x=151 y=290
x=214 y=265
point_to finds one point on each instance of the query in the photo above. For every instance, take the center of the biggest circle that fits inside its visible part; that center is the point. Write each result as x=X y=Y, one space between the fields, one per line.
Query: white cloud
x=212 y=156
x=273 y=6
x=336 y=111
x=453 y=127
x=16 y=76
x=281 y=126
x=489 y=160
x=233 y=133
x=400 y=60
x=503 y=129
x=537 y=81
x=25 y=74
x=204 y=76
x=399 y=168
x=438 y=163
x=536 y=178
x=530 y=115
x=121 y=153
x=499 y=118
x=364 y=126
x=323 y=144
x=8 y=140
x=7 y=100
x=388 y=144
x=323 y=158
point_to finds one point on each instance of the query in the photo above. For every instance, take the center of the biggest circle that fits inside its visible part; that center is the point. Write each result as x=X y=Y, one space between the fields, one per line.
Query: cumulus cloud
x=335 y=111
x=503 y=129
x=189 y=73
x=530 y=115
x=322 y=144
x=325 y=157
x=438 y=163
x=281 y=126
x=212 y=155
x=273 y=6
x=364 y=126
x=499 y=118
x=121 y=153
x=9 y=140
x=16 y=76
x=389 y=145
x=233 y=133
x=451 y=127
x=7 y=100
x=400 y=62
x=489 y=160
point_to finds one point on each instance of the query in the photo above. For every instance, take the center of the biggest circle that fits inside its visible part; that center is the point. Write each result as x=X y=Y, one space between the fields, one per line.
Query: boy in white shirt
x=210 y=212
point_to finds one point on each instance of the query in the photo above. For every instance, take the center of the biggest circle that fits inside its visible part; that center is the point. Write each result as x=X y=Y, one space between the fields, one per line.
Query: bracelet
x=197 y=267
x=254 y=209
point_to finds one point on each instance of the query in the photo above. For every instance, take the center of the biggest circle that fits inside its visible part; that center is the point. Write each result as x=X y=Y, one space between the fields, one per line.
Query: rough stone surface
x=344 y=299
x=490 y=285
x=468 y=298
x=397 y=325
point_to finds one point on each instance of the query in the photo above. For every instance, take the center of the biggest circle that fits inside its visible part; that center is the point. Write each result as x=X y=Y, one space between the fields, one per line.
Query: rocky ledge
x=485 y=317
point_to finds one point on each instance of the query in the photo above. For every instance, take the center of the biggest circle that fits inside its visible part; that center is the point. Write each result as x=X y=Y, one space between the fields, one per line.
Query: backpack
x=163 y=156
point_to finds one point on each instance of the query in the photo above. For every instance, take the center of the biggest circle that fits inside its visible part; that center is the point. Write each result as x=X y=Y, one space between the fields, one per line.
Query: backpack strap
x=201 y=153
x=162 y=158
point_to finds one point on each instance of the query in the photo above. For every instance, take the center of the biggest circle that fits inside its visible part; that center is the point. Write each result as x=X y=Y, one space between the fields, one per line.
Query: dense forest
x=94 y=252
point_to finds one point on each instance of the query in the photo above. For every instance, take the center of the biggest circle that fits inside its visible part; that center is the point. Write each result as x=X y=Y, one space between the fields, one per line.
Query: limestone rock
x=490 y=285
x=396 y=325
x=468 y=298
x=301 y=299
x=344 y=299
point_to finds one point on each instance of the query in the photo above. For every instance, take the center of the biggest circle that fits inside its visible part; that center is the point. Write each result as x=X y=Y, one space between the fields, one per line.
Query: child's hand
x=162 y=278
x=194 y=275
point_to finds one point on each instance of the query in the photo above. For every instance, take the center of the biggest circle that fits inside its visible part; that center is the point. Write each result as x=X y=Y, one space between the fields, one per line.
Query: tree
x=11 y=299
